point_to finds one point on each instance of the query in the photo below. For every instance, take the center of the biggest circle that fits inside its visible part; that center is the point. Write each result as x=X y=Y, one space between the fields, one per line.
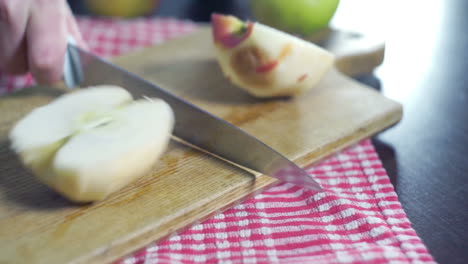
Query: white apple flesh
x=92 y=142
x=267 y=62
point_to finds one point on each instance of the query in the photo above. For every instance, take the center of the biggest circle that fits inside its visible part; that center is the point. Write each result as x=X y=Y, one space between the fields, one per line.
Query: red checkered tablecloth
x=358 y=219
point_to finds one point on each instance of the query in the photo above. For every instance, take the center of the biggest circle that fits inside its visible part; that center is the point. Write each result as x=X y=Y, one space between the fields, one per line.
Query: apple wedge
x=92 y=142
x=264 y=61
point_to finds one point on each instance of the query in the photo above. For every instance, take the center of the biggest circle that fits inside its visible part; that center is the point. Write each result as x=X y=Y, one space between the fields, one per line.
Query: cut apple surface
x=90 y=143
x=267 y=62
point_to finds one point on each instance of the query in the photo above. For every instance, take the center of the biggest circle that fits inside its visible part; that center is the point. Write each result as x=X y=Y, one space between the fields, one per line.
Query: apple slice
x=267 y=62
x=90 y=143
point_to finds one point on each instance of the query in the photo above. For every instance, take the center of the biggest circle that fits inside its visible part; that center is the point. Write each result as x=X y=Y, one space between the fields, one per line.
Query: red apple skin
x=228 y=30
x=266 y=67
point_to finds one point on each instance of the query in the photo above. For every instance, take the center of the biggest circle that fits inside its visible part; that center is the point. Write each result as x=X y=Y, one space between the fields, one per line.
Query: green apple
x=303 y=17
x=121 y=8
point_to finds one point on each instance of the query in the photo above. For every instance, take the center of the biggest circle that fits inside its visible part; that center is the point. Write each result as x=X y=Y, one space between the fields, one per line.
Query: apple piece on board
x=264 y=61
x=92 y=142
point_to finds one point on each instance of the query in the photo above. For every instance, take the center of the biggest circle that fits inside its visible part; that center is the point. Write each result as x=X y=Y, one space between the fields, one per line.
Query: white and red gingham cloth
x=358 y=219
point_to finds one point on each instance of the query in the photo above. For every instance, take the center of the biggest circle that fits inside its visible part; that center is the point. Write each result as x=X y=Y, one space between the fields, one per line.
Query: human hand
x=33 y=37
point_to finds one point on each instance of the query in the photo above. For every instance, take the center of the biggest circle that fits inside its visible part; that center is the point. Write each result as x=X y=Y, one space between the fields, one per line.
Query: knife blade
x=193 y=125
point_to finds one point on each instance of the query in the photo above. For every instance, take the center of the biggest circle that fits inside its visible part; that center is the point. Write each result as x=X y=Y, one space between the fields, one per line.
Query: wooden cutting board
x=187 y=186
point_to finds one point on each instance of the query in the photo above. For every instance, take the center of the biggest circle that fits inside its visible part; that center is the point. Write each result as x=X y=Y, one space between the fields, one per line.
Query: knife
x=192 y=124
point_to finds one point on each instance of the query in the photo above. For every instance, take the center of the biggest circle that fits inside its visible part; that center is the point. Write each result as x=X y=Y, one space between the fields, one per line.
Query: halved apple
x=267 y=62
x=91 y=142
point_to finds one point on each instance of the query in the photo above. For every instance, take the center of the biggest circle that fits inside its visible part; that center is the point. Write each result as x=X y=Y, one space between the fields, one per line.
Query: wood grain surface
x=186 y=186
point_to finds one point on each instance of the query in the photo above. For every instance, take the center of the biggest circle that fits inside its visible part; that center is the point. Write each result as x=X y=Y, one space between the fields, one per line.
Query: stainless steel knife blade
x=193 y=125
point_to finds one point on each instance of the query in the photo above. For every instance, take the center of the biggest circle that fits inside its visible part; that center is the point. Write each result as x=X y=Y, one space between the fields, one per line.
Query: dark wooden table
x=426 y=69
x=426 y=155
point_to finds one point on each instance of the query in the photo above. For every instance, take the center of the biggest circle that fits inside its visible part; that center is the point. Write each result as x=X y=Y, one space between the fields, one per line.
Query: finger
x=13 y=20
x=47 y=39
x=73 y=29
x=19 y=62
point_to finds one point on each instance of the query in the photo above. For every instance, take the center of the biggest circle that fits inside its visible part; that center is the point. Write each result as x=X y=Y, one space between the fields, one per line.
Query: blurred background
x=425 y=69
x=196 y=10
